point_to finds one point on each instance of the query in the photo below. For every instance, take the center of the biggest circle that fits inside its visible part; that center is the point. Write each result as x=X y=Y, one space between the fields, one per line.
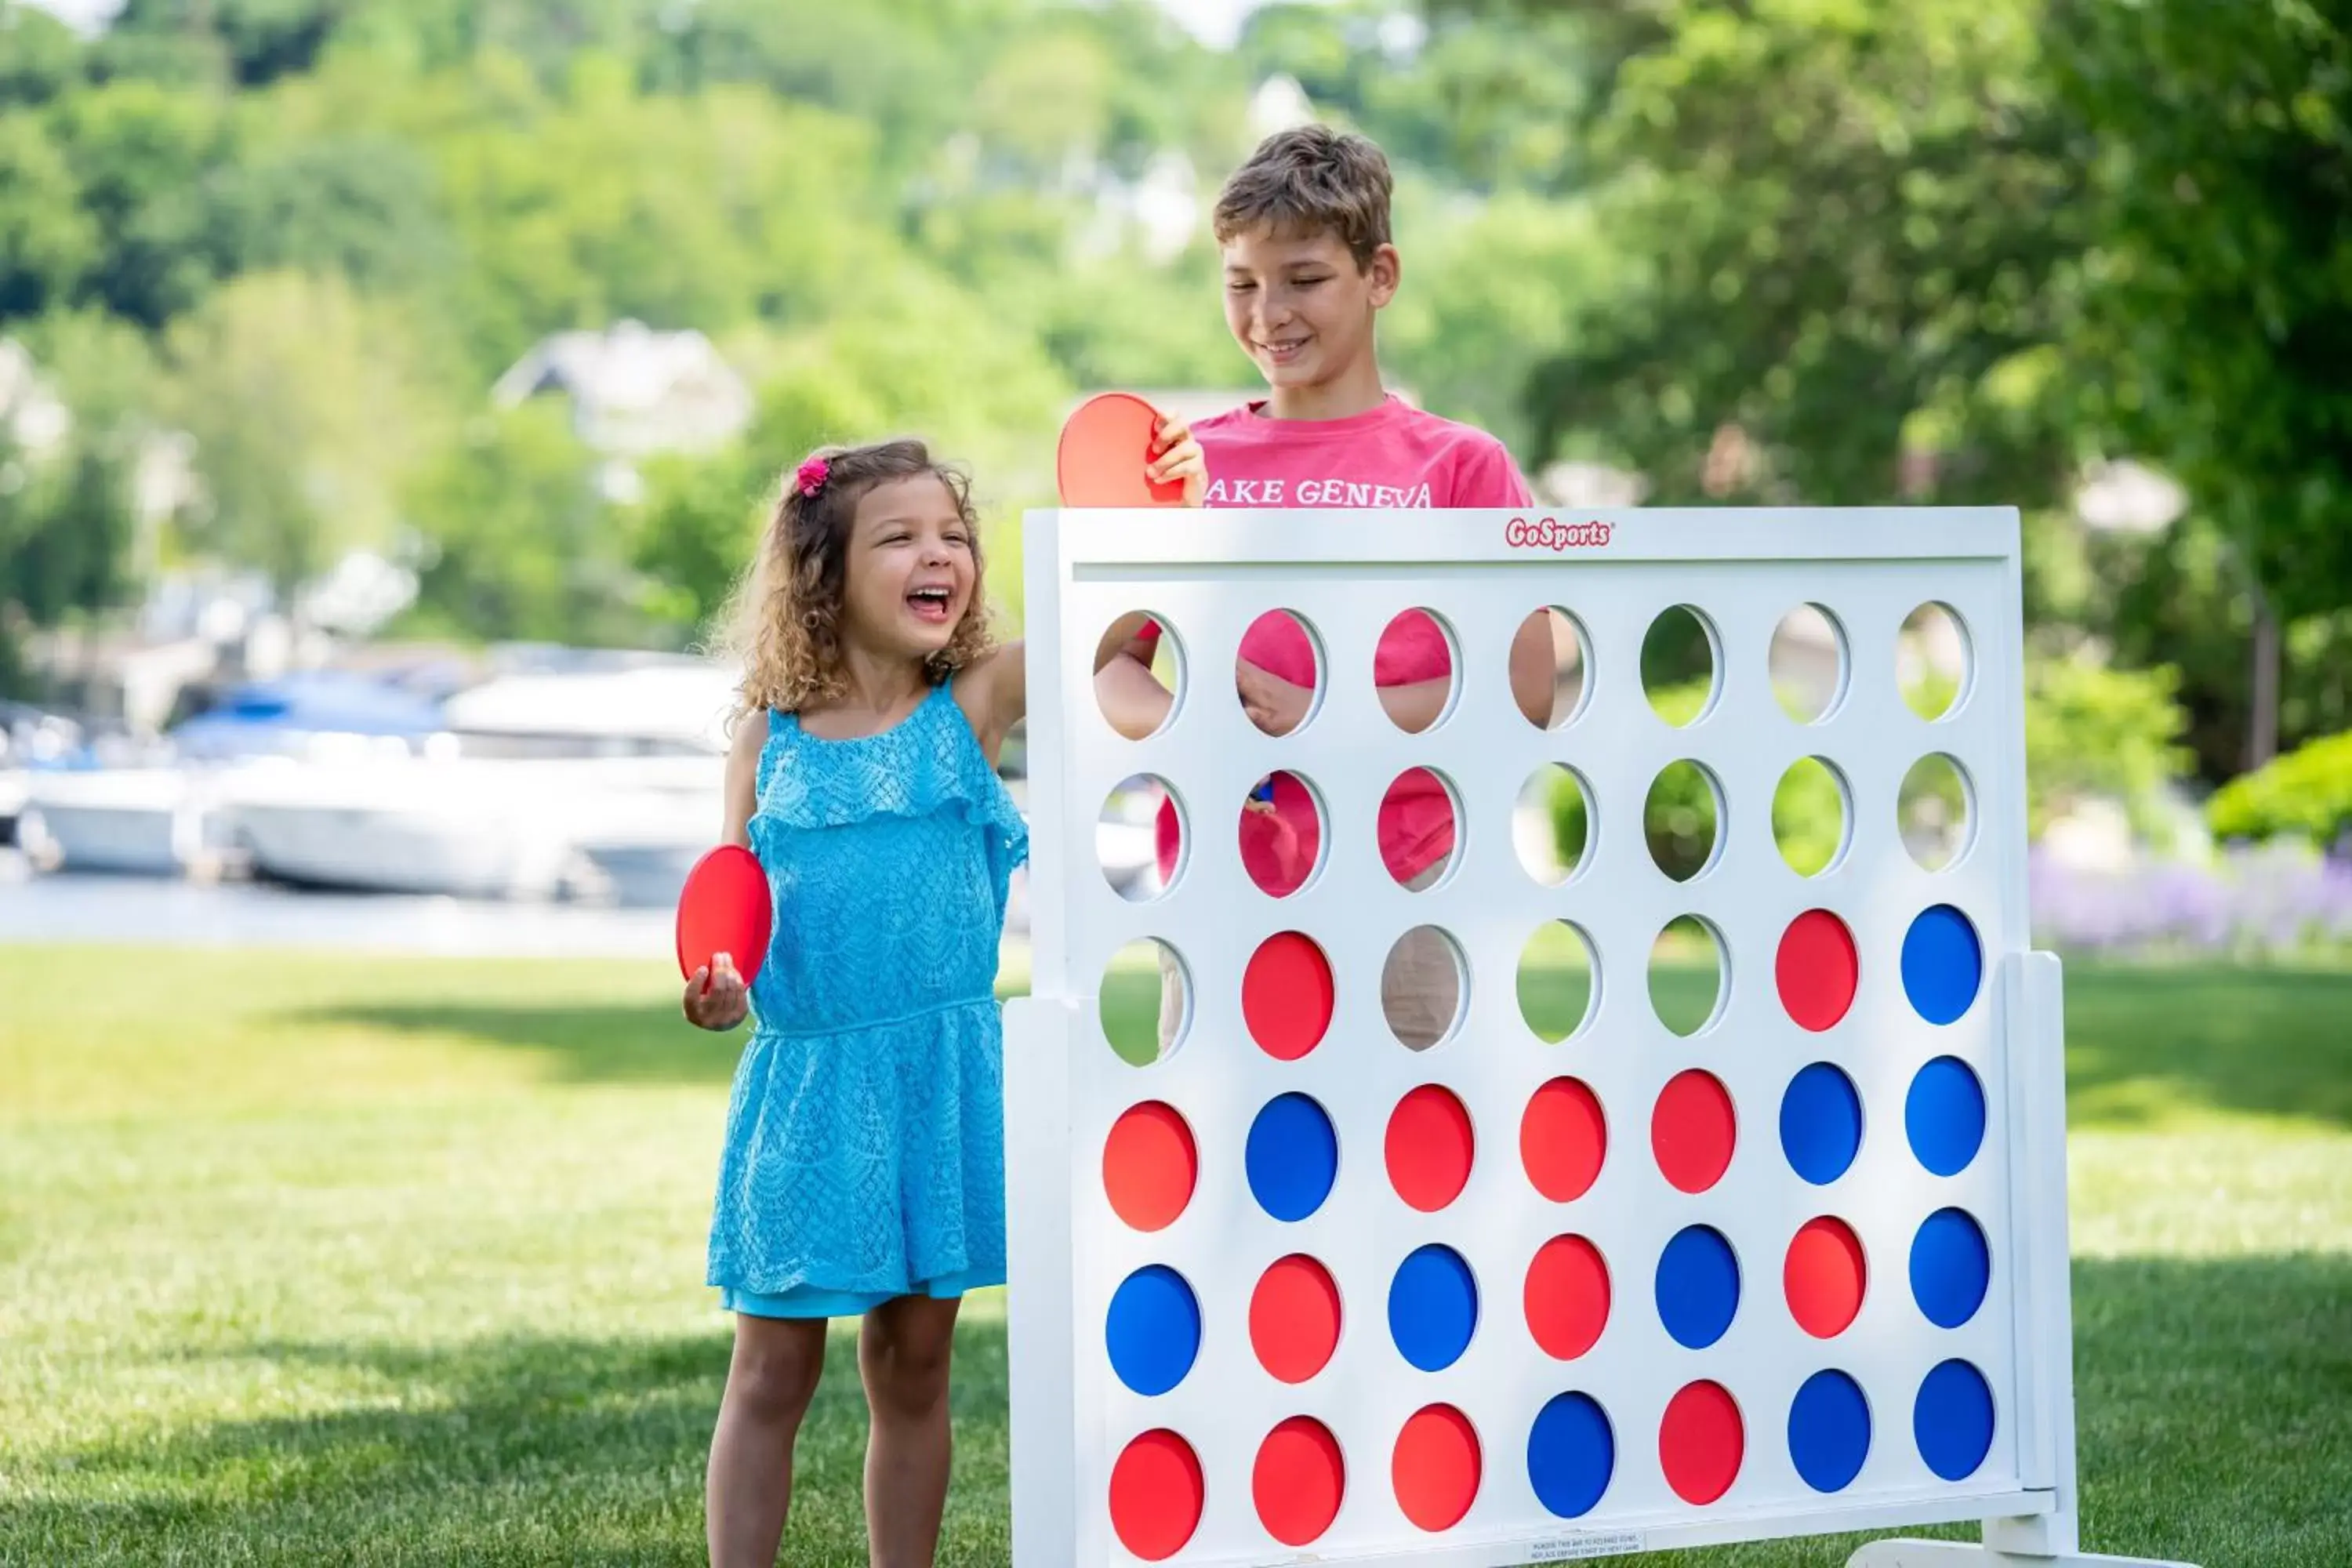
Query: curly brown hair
x=784 y=618
x=1307 y=181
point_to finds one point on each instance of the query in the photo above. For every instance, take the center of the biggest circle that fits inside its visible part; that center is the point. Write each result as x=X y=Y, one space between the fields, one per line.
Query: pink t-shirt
x=1395 y=455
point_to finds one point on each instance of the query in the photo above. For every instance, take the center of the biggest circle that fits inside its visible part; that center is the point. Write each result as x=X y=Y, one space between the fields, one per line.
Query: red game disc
x=1294 y=1318
x=1435 y=1467
x=1825 y=1276
x=1286 y=995
x=1149 y=1164
x=1298 y=1480
x=1105 y=447
x=724 y=908
x=1701 y=1441
x=1156 y=1491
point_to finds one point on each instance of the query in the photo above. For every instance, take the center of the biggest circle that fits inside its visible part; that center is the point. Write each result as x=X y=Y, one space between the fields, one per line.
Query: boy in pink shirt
x=1309 y=264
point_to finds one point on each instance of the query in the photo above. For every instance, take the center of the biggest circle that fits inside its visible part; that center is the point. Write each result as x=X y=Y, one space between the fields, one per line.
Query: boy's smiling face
x=1301 y=308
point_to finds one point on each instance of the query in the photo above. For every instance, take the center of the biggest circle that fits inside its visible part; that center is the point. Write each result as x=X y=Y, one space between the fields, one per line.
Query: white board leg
x=1976 y=1554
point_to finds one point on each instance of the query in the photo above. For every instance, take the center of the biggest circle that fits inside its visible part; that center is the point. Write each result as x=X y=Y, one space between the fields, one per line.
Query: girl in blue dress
x=863 y=1172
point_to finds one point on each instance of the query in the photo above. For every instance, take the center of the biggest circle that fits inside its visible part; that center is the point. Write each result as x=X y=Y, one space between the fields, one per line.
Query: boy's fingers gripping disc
x=1105 y=450
x=724 y=908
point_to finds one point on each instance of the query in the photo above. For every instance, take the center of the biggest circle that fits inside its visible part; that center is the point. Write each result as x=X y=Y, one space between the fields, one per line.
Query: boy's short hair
x=1307 y=181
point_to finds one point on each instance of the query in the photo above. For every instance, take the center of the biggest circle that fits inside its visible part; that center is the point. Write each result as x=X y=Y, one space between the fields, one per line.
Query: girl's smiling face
x=911 y=568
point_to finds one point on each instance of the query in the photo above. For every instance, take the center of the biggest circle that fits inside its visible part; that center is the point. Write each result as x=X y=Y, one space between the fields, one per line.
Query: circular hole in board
x=1558 y=981
x=1156 y=1494
x=1816 y=970
x=1294 y=1318
x=1952 y=1420
x=1944 y=1116
x=1281 y=834
x=1552 y=824
x=1429 y=1148
x=1433 y=1306
x=1808 y=663
x=1417 y=647
x=1286 y=995
x=1435 y=1467
x=1681 y=670
x=1933 y=664
x=1697 y=1287
x=1563 y=1140
x=1278 y=672
x=1943 y=964
x=1567 y=1297
x=1298 y=1480
x=1825 y=1276
x=1572 y=1455
x=1828 y=1431
x=1146 y=1001
x=1701 y=1441
x=1152 y=1330
x=1689 y=974
x=1692 y=1130
x=1935 y=812
x=1420 y=826
x=1140 y=838
x=1422 y=983
x=1291 y=1157
x=1951 y=1267
x=1812 y=817
x=1157 y=650
x=1550 y=650
x=1679 y=819
x=1820 y=1123
x=1149 y=1166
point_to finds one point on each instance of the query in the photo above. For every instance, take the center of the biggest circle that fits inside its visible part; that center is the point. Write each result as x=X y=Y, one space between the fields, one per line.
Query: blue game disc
x=1943 y=964
x=1951 y=1268
x=1820 y=1123
x=1433 y=1306
x=1572 y=1454
x=1828 y=1431
x=1152 y=1330
x=1697 y=1287
x=1944 y=1116
x=1952 y=1420
x=1292 y=1157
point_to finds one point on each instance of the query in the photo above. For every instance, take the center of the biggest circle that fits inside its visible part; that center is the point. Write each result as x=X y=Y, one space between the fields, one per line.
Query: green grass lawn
x=308 y=1259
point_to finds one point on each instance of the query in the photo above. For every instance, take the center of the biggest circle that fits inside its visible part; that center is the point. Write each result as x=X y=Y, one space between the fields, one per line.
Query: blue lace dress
x=864 y=1153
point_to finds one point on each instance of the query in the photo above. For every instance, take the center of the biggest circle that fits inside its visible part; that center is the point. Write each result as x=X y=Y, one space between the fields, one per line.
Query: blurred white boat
x=497 y=828
x=150 y=821
x=600 y=785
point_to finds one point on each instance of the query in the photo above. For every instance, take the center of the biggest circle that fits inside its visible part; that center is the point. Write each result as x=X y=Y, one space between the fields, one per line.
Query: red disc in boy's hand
x=1106 y=449
x=724 y=908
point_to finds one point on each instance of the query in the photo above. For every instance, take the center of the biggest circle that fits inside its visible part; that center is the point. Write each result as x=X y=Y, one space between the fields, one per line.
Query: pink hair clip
x=810 y=478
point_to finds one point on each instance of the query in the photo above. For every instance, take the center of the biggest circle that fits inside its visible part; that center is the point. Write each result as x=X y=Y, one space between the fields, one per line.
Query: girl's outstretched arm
x=716 y=996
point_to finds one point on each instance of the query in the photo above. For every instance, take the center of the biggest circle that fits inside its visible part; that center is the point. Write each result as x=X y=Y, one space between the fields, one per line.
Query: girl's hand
x=1178 y=457
x=716 y=996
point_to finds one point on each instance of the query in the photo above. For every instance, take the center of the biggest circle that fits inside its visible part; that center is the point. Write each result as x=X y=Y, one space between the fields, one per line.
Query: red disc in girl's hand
x=724 y=908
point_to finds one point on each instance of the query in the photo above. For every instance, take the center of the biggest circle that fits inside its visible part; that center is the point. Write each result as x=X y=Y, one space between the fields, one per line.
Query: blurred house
x=635 y=393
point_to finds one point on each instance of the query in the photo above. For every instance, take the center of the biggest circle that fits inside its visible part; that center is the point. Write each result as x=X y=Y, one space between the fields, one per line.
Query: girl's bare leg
x=903 y=1354
x=748 y=1489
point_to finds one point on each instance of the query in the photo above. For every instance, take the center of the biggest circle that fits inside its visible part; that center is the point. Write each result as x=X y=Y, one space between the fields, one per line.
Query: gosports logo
x=1550 y=533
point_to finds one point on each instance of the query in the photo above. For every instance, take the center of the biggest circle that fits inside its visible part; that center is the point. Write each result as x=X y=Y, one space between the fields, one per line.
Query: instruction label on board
x=1578 y=1545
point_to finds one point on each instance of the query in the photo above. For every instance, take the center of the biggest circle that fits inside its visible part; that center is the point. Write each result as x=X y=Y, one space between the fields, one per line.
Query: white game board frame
x=1209 y=574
